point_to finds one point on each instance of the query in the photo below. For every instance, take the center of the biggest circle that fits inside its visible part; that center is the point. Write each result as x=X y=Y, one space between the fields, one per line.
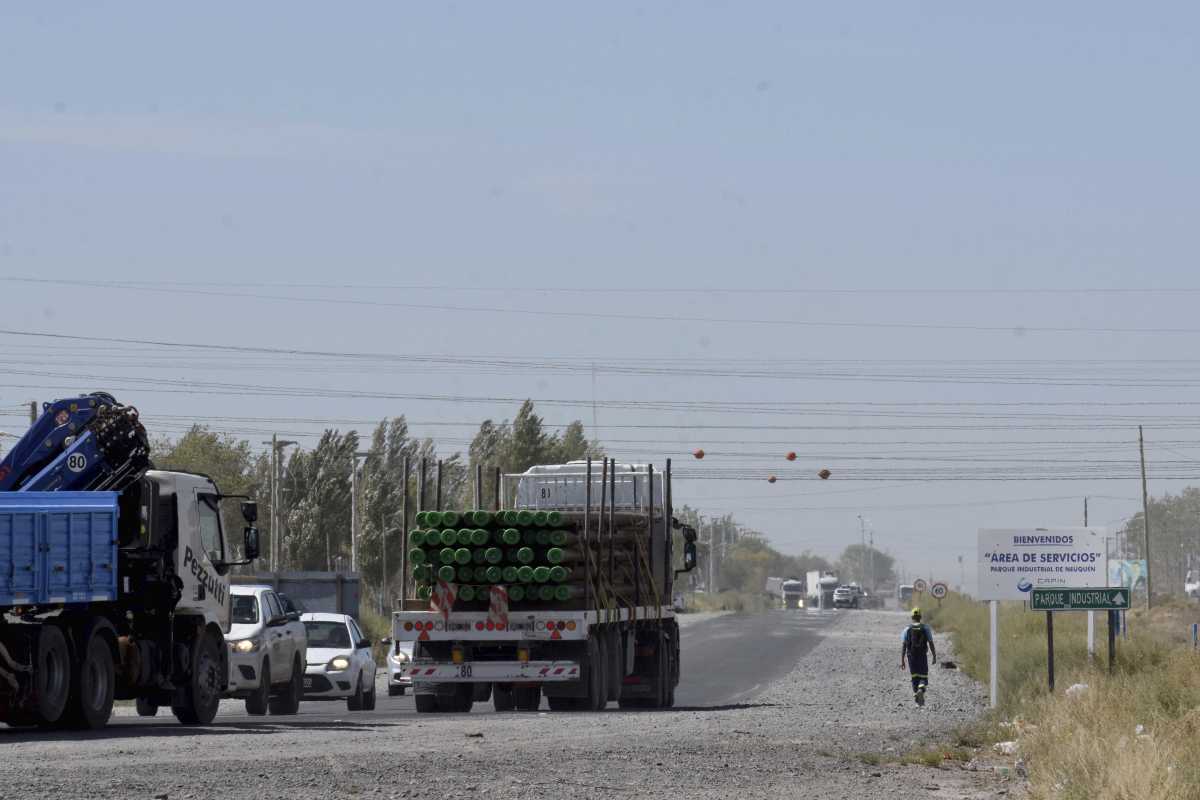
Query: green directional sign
x=1114 y=599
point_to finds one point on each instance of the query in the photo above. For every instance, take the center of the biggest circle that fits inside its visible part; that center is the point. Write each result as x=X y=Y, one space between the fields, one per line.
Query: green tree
x=1174 y=539
x=316 y=504
x=870 y=567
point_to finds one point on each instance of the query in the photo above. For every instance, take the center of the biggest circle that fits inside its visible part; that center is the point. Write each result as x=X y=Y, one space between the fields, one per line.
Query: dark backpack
x=918 y=641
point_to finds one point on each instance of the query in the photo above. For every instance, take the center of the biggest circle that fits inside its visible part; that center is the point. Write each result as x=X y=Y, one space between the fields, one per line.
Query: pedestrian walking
x=915 y=647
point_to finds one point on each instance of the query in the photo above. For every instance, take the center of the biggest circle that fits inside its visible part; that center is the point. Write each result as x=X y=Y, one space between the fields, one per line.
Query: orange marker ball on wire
x=771 y=479
x=824 y=474
x=698 y=454
x=791 y=456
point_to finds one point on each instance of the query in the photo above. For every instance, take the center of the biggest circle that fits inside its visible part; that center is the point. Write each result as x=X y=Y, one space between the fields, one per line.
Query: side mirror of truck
x=250 y=511
x=689 y=533
x=689 y=558
x=250 y=542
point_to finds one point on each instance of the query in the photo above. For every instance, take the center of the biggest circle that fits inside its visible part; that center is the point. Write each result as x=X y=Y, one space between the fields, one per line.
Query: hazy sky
x=701 y=174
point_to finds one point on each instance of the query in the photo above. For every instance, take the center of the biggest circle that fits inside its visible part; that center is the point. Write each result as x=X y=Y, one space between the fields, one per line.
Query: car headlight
x=400 y=658
x=245 y=646
x=338 y=664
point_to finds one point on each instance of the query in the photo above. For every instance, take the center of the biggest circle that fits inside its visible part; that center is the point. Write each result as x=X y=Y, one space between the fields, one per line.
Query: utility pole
x=1091 y=615
x=862 y=553
x=275 y=550
x=871 y=582
x=32 y=411
x=1145 y=514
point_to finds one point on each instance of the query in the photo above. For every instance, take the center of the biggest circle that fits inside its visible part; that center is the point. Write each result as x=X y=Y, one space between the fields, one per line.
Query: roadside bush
x=1089 y=746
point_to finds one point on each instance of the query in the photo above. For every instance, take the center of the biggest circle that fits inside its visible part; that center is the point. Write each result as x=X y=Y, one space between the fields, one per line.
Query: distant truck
x=820 y=589
x=904 y=595
x=788 y=592
x=793 y=594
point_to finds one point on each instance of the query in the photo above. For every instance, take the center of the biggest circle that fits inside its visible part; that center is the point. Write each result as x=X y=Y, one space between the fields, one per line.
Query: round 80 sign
x=919 y=585
x=938 y=591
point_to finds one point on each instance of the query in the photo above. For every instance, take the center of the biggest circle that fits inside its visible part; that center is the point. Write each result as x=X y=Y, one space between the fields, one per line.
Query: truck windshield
x=245 y=609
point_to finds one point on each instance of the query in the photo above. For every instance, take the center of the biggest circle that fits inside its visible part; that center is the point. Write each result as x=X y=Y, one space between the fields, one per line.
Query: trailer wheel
x=527 y=698
x=616 y=666
x=502 y=698
x=461 y=701
x=52 y=674
x=426 y=703
x=146 y=707
x=597 y=675
x=94 y=685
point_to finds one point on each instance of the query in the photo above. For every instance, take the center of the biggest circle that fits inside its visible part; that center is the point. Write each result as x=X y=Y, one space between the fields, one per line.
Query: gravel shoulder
x=805 y=734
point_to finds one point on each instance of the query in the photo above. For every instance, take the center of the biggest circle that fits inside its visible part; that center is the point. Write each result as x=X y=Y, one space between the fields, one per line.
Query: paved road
x=726 y=660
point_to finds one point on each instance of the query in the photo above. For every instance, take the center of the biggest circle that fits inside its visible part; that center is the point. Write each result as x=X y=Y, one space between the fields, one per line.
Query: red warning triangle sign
x=424 y=637
x=556 y=635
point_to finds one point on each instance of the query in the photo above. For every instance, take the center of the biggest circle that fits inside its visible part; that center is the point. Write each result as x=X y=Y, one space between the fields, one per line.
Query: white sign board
x=1014 y=562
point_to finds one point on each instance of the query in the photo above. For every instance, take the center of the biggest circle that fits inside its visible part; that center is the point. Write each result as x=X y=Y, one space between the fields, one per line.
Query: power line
x=577 y=314
x=964 y=290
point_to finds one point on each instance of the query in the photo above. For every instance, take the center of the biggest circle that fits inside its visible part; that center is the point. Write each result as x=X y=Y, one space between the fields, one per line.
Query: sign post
x=1078 y=599
x=1012 y=563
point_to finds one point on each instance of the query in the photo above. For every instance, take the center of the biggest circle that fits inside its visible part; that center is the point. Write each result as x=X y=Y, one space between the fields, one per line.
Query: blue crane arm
x=82 y=443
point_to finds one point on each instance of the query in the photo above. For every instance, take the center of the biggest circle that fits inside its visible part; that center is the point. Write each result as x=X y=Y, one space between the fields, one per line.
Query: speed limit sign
x=938 y=590
x=919 y=585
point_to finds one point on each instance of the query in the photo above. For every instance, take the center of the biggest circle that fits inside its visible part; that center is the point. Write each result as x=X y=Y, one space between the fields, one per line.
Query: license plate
x=308 y=683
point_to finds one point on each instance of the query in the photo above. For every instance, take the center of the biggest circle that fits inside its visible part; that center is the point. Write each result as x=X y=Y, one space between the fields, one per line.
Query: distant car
x=340 y=663
x=845 y=597
x=266 y=651
x=399 y=657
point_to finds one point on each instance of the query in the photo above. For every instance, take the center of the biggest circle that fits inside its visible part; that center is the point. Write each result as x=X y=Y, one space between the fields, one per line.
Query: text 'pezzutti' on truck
x=566 y=595
x=113 y=576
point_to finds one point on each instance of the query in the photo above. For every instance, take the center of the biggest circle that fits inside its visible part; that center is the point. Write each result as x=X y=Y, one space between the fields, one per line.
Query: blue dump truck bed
x=57 y=547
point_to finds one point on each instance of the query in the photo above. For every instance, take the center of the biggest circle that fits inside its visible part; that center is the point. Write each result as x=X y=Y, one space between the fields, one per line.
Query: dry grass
x=1087 y=746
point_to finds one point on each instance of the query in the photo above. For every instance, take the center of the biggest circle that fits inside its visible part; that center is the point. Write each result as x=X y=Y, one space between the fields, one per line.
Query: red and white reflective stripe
x=498 y=607
x=442 y=600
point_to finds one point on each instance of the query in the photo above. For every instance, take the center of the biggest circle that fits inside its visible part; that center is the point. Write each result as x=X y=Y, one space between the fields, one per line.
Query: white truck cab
x=267 y=651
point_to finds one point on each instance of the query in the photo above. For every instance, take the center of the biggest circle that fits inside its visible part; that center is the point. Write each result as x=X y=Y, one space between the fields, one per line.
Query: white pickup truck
x=267 y=651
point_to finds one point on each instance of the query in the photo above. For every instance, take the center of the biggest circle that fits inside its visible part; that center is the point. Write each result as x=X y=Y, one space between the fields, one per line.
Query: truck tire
x=196 y=703
x=287 y=700
x=426 y=703
x=256 y=703
x=527 y=698
x=502 y=698
x=146 y=707
x=597 y=675
x=461 y=701
x=52 y=675
x=94 y=684
x=616 y=666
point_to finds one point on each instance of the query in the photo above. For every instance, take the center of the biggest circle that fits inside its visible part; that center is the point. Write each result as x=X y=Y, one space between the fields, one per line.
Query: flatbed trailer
x=616 y=639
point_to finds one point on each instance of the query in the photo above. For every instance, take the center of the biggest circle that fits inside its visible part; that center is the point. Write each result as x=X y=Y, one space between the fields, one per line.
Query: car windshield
x=245 y=609
x=327 y=634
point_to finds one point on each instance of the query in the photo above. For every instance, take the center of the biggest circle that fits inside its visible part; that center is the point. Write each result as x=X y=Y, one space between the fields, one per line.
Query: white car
x=399 y=657
x=266 y=651
x=340 y=662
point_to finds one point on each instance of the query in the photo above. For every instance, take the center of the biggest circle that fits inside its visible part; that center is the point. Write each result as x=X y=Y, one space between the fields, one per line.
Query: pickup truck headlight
x=245 y=646
x=338 y=664
x=400 y=658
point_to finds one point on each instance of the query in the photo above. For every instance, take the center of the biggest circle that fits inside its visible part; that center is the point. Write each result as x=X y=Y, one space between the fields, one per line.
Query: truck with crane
x=114 y=576
x=566 y=595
